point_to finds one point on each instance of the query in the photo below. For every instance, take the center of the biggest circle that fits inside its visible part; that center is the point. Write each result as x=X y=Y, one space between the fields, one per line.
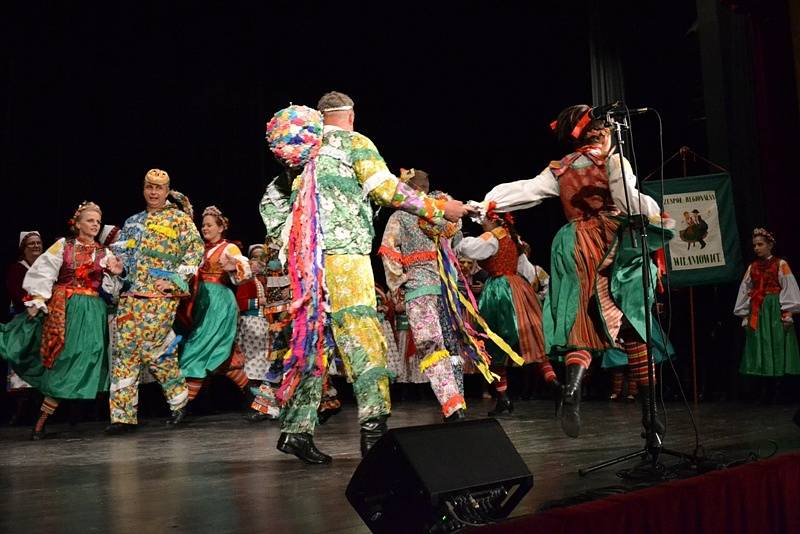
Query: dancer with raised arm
x=595 y=299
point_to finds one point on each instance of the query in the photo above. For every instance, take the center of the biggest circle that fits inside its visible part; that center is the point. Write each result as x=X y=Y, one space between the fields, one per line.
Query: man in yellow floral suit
x=351 y=174
x=161 y=250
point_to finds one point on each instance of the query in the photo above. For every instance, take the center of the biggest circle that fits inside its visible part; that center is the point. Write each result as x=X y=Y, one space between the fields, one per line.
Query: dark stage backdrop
x=96 y=94
x=97 y=97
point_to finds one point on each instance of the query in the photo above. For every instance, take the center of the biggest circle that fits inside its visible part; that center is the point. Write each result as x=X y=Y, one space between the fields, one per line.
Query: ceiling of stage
x=98 y=96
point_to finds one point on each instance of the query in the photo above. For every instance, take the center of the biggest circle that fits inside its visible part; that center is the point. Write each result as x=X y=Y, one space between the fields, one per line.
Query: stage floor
x=219 y=474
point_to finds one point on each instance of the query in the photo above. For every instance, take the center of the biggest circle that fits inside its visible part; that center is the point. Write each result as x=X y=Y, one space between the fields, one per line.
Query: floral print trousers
x=144 y=337
x=359 y=340
x=437 y=348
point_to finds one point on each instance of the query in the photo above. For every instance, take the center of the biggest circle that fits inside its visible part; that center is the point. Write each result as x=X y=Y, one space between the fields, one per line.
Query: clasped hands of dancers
x=171 y=313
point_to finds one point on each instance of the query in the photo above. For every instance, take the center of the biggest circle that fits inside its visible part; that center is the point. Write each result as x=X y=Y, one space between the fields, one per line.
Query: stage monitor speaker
x=439 y=478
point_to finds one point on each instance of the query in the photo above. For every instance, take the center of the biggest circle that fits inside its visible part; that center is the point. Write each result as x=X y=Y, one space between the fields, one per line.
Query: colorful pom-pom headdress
x=294 y=135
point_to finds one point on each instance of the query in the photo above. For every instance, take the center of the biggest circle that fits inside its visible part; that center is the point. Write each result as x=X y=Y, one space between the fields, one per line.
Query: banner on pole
x=705 y=249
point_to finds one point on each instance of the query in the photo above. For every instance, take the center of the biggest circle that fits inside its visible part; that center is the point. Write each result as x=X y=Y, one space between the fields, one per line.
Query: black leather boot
x=504 y=404
x=644 y=395
x=458 y=415
x=371 y=432
x=177 y=417
x=119 y=428
x=302 y=446
x=571 y=401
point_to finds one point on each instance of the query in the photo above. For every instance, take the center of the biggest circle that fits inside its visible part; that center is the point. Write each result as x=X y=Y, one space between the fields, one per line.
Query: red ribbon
x=582 y=122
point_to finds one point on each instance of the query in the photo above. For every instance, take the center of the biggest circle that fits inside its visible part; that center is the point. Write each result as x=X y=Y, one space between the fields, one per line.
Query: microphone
x=638 y=111
x=615 y=108
x=599 y=112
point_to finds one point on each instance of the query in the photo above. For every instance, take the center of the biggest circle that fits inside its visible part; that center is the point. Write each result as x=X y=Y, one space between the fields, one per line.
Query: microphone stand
x=653 y=445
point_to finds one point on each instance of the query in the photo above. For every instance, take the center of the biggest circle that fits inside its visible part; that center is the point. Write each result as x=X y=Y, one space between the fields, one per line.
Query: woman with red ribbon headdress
x=595 y=301
x=768 y=296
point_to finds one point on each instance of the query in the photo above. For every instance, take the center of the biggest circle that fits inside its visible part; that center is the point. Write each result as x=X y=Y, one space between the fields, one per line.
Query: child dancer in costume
x=768 y=297
x=595 y=285
x=65 y=282
x=209 y=347
x=508 y=301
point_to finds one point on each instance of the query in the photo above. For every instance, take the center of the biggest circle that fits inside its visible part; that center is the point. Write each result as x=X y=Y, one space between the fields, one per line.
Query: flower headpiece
x=294 y=135
x=86 y=205
x=766 y=234
x=215 y=212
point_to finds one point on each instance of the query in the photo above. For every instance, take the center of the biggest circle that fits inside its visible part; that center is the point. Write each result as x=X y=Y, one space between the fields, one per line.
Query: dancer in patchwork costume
x=328 y=252
x=161 y=250
x=410 y=259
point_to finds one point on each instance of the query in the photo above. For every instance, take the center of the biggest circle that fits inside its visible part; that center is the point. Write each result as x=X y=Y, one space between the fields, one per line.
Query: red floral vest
x=78 y=270
x=764 y=276
x=211 y=268
x=505 y=260
x=583 y=190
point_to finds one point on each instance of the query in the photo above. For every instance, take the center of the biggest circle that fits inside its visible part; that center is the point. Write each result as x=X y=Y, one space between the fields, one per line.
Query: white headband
x=338 y=108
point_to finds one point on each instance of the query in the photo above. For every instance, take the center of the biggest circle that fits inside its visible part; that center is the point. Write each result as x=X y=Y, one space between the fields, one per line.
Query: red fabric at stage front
x=761 y=497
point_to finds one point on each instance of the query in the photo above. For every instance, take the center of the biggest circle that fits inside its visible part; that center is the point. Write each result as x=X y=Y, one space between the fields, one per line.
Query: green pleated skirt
x=209 y=343
x=20 y=340
x=81 y=370
x=771 y=349
x=496 y=306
